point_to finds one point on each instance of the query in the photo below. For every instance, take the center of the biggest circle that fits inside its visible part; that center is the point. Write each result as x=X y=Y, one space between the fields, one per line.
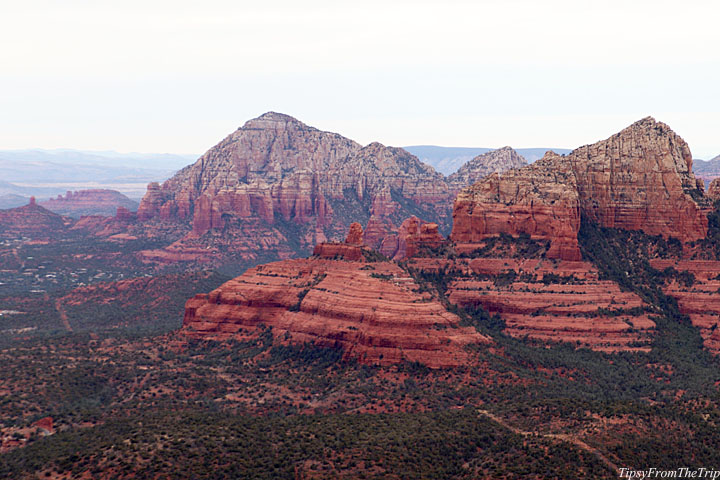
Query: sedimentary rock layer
x=701 y=300
x=32 y=221
x=371 y=310
x=558 y=301
x=540 y=200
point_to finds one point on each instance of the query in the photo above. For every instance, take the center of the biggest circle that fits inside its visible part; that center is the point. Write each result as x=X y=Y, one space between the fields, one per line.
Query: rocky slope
x=276 y=187
x=413 y=236
x=638 y=179
x=89 y=202
x=555 y=301
x=495 y=161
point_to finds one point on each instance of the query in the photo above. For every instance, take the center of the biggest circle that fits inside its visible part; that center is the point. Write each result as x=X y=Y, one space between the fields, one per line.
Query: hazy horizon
x=177 y=76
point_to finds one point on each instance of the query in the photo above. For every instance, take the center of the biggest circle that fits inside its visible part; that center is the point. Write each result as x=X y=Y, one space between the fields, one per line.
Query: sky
x=178 y=76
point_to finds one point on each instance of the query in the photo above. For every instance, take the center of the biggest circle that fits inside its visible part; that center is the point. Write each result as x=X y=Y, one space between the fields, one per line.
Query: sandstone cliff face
x=371 y=310
x=352 y=249
x=277 y=177
x=641 y=179
x=32 y=221
x=89 y=202
x=496 y=161
x=638 y=179
x=413 y=236
x=540 y=200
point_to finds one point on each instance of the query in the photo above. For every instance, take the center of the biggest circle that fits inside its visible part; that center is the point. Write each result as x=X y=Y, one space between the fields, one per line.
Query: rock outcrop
x=276 y=177
x=352 y=249
x=495 y=161
x=638 y=179
x=413 y=236
x=713 y=192
x=89 y=202
x=372 y=310
x=540 y=200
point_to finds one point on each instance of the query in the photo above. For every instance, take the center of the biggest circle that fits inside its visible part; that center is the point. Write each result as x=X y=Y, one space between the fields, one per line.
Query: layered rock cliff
x=276 y=181
x=638 y=179
x=413 y=236
x=553 y=301
x=713 y=192
x=372 y=310
x=540 y=200
x=641 y=179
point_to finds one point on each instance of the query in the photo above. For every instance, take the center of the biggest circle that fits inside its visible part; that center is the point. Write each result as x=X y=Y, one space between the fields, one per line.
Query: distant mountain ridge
x=707 y=169
x=448 y=160
x=89 y=202
x=46 y=173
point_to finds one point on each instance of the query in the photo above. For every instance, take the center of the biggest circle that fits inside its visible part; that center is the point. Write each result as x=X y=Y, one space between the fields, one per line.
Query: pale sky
x=178 y=76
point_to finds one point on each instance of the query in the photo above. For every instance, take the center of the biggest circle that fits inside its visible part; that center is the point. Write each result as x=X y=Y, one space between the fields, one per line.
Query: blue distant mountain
x=447 y=160
x=46 y=173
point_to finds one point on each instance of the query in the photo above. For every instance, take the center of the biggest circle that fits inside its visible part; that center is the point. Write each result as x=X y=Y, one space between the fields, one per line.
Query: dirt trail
x=574 y=439
x=63 y=316
x=19 y=260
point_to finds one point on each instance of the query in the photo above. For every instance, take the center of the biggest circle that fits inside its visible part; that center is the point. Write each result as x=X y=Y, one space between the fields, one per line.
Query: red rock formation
x=549 y=300
x=700 y=301
x=351 y=250
x=32 y=221
x=414 y=235
x=641 y=179
x=122 y=214
x=151 y=203
x=45 y=424
x=540 y=200
x=638 y=179
x=713 y=192
x=355 y=235
x=89 y=202
x=371 y=310
x=278 y=177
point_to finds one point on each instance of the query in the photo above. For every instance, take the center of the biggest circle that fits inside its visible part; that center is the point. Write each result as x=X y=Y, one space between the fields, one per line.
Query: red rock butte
x=372 y=310
x=33 y=221
x=639 y=179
